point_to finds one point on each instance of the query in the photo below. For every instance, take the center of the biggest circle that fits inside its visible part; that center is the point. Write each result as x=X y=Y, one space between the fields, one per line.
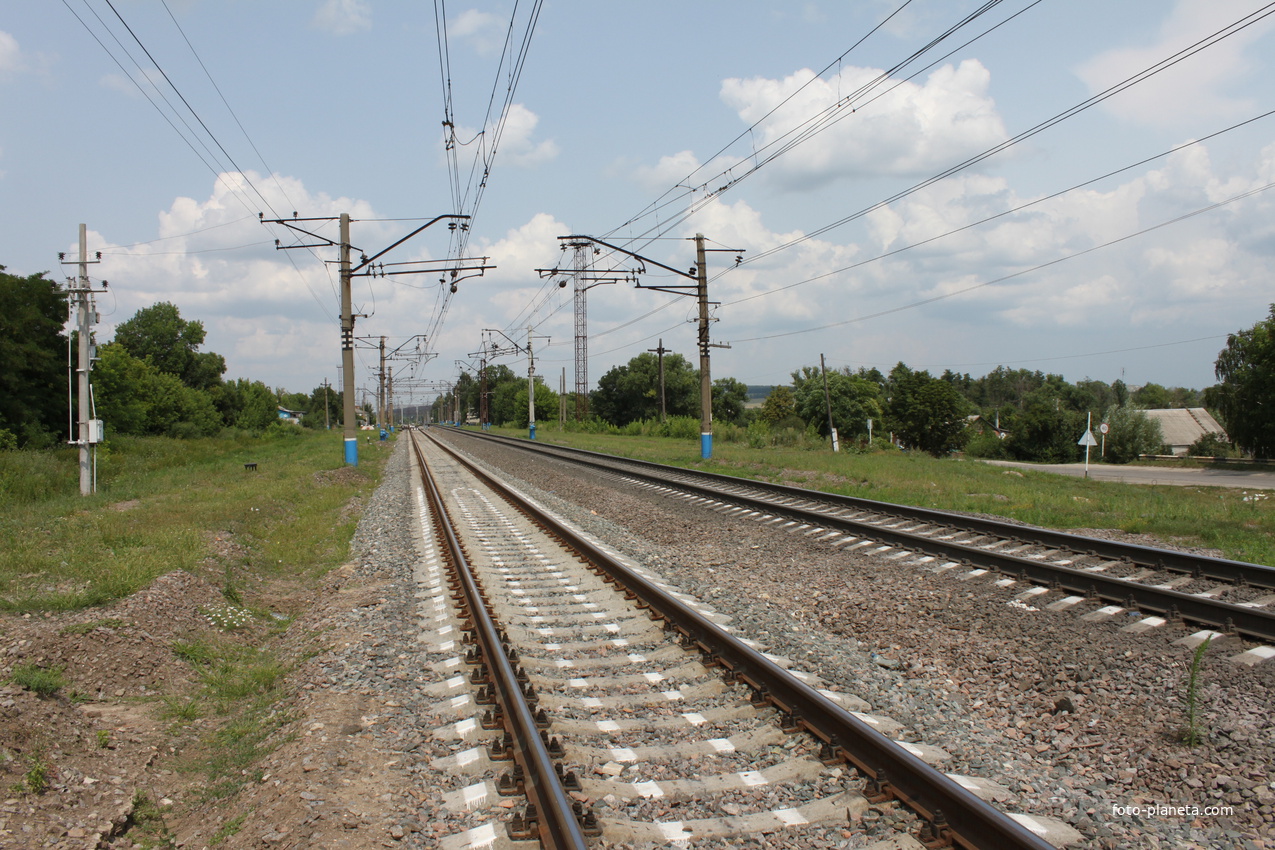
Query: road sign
x=1087 y=439
x=1103 y=428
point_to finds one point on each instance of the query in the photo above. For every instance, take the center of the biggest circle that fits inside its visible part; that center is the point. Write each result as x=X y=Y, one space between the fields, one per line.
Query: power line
x=177 y=91
x=1001 y=214
x=229 y=109
x=1146 y=73
x=1002 y=279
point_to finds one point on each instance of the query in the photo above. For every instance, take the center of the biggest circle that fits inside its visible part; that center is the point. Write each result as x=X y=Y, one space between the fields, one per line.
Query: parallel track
x=515 y=664
x=1132 y=577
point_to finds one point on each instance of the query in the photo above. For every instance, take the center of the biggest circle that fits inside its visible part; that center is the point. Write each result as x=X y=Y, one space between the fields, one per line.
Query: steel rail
x=1225 y=616
x=555 y=817
x=953 y=811
x=1222 y=569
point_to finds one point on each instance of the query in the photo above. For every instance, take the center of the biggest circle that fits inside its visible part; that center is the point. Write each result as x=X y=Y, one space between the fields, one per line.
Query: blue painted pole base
x=705 y=446
x=533 y=430
x=352 y=451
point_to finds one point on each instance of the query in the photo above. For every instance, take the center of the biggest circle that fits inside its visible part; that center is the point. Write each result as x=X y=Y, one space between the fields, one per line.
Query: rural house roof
x=1182 y=426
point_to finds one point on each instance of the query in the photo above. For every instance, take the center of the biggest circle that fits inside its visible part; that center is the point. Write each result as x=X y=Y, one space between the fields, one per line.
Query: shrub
x=1212 y=444
x=987 y=445
x=281 y=431
x=1131 y=433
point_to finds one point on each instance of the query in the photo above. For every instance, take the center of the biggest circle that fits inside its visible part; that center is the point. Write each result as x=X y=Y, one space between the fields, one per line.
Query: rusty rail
x=553 y=819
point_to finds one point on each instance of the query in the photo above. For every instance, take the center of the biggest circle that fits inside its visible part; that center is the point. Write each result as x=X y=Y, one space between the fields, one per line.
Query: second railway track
x=1221 y=597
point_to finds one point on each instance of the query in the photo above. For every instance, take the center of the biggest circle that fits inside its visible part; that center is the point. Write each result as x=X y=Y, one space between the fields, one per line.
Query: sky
x=1080 y=187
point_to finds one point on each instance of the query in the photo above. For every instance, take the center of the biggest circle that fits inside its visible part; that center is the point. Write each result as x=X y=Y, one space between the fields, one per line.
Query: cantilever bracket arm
x=385 y=251
x=637 y=257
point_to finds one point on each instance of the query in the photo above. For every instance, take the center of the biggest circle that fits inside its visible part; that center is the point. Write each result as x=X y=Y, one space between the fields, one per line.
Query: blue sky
x=338 y=105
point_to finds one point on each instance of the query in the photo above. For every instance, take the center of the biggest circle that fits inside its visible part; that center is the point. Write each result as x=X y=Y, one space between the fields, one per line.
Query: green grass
x=228 y=829
x=85 y=628
x=63 y=551
x=1216 y=517
x=42 y=681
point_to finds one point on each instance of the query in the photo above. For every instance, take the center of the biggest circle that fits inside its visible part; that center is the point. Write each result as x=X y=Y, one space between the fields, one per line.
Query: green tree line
x=1008 y=413
x=150 y=379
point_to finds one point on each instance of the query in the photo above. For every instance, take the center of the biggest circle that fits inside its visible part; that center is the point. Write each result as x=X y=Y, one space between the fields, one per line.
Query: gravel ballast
x=1079 y=720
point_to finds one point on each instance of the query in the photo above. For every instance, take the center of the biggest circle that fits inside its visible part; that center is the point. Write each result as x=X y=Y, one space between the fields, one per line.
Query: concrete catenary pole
x=705 y=380
x=380 y=389
x=84 y=363
x=531 y=387
x=350 y=431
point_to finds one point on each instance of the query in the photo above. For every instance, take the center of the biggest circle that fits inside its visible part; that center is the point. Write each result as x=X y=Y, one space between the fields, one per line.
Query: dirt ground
x=112 y=760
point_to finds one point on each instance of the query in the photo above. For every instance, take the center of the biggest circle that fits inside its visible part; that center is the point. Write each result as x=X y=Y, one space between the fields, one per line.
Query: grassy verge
x=1215 y=517
x=160 y=504
x=242 y=686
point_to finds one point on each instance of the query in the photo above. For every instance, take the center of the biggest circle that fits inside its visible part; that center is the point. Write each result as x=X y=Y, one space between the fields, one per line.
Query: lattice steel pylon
x=580 y=266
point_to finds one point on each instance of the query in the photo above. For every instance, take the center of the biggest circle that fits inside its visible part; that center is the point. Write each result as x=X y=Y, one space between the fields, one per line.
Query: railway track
x=628 y=713
x=1104 y=579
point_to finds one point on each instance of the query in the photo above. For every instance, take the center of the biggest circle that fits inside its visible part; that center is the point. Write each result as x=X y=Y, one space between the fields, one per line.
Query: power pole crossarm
x=365 y=267
x=699 y=288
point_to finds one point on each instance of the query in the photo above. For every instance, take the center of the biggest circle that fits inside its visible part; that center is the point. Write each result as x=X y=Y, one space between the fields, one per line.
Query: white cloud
x=483 y=30
x=1201 y=86
x=667 y=172
x=1003 y=276
x=516 y=146
x=914 y=129
x=11 y=59
x=271 y=320
x=141 y=81
x=343 y=17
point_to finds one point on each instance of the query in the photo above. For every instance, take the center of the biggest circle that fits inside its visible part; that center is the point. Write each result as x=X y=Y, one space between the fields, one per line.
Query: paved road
x=1240 y=479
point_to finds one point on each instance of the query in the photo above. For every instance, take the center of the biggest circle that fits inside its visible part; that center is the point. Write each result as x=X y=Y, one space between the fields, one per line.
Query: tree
x=854 y=400
x=32 y=358
x=1152 y=397
x=729 y=398
x=924 y=412
x=133 y=397
x=1130 y=433
x=1046 y=432
x=509 y=404
x=779 y=407
x=323 y=406
x=1246 y=395
x=160 y=336
x=631 y=393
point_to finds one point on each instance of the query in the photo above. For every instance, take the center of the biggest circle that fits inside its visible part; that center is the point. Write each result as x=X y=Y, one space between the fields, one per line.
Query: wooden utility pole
x=327 y=416
x=827 y=403
x=660 y=352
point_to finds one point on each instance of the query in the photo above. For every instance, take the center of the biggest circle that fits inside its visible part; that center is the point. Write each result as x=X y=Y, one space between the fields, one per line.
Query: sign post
x=1087 y=440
